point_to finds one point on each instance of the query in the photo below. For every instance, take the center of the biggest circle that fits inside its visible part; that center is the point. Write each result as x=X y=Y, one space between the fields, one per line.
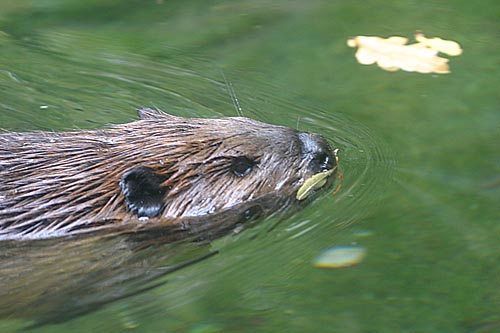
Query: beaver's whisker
x=232 y=94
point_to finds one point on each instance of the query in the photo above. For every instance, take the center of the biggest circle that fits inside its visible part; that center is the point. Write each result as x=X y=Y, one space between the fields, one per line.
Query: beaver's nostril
x=316 y=148
x=322 y=162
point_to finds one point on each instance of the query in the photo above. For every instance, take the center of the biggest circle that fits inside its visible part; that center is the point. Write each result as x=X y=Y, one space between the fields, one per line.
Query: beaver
x=162 y=173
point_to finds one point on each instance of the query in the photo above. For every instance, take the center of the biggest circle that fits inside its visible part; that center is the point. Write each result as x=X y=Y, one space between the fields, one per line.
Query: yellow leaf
x=392 y=54
x=315 y=182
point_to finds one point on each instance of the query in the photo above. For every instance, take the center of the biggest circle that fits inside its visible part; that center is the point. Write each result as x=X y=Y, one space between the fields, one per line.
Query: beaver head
x=162 y=172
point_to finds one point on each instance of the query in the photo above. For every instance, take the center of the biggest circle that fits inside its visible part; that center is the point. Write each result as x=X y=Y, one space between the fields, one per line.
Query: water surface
x=419 y=153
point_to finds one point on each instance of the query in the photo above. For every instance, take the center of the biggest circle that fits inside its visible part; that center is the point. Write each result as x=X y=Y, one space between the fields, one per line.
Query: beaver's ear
x=146 y=113
x=143 y=192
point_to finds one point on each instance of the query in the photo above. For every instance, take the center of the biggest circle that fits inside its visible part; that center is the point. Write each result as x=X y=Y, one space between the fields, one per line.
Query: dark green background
x=419 y=151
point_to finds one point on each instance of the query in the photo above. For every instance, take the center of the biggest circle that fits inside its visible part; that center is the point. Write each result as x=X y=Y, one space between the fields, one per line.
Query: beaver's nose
x=318 y=150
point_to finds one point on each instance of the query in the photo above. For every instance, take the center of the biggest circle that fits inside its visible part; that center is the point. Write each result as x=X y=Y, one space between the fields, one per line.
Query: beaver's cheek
x=143 y=192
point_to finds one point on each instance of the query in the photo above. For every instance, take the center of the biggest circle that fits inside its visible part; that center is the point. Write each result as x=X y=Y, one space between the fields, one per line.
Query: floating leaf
x=315 y=182
x=392 y=54
x=340 y=256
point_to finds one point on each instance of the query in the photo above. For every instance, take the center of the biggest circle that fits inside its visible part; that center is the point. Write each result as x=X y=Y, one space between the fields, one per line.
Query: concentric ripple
x=53 y=87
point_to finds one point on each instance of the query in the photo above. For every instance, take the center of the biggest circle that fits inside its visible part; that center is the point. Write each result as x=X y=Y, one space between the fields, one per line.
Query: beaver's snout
x=316 y=149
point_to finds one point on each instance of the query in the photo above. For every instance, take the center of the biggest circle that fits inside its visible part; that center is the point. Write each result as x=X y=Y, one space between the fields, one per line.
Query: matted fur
x=58 y=184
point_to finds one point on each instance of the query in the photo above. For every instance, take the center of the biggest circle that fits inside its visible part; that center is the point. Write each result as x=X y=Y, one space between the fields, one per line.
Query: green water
x=419 y=152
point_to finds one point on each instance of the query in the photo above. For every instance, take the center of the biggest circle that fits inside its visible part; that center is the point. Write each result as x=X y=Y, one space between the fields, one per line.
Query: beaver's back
x=55 y=182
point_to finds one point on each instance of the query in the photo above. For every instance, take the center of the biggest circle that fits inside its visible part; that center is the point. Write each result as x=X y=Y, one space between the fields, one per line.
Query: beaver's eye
x=242 y=165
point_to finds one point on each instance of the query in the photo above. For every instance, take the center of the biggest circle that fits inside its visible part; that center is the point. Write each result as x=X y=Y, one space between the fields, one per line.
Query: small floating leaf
x=340 y=256
x=392 y=54
x=315 y=182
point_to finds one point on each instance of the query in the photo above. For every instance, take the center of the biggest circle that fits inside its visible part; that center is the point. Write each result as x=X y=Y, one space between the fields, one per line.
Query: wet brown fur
x=60 y=184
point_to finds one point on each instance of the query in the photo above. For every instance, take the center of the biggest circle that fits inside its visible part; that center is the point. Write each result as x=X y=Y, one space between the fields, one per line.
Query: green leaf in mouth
x=317 y=181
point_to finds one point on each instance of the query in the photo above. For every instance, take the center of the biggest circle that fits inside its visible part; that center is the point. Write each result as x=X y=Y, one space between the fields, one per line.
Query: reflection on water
x=56 y=279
